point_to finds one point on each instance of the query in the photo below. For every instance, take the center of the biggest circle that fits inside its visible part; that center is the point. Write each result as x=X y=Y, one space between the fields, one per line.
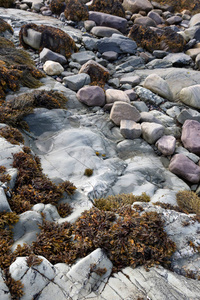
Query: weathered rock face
x=47 y=37
x=112 y=7
x=191 y=136
x=98 y=74
x=185 y=168
x=75 y=10
x=151 y=132
x=91 y=96
x=136 y=5
x=123 y=111
x=191 y=96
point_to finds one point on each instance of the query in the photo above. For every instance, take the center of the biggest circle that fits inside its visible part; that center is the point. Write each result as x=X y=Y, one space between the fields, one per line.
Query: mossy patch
x=112 y=7
x=179 y=5
x=12 y=135
x=57 y=6
x=88 y=172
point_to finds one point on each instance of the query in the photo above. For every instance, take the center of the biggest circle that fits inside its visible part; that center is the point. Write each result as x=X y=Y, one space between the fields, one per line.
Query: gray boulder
x=147 y=96
x=188 y=114
x=102 y=19
x=151 y=132
x=185 y=168
x=83 y=56
x=145 y=21
x=103 y=31
x=191 y=95
x=75 y=82
x=47 y=54
x=130 y=129
x=113 y=95
x=117 y=43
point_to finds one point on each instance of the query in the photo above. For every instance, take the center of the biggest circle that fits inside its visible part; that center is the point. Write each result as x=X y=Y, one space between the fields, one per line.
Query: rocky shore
x=99 y=150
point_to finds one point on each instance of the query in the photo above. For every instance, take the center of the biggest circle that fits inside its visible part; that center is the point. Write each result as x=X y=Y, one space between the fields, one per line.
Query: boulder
x=191 y=136
x=112 y=7
x=57 y=6
x=117 y=43
x=132 y=80
x=102 y=31
x=52 y=68
x=156 y=17
x=195 y=20
x=76 y=82
x=102 y=19
x=113 y=95
x=4 y=205
x=83 y=56
x=39 y=37
x=191 y=96
x=76 y=11
x=185 y=168
x=145 y=21
x=110 y=55
x=135 y=6
x=123 y=111
x=147 y=96
x=158 y=86
x=166 y=144
x=178 y=59
x=47 y=54
x=91 y=96
x=151 y=132
x=188 y=114
x=98 y=74
x=130 y=129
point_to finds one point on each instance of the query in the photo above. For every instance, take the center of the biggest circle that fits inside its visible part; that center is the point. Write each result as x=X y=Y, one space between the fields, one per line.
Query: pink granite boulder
x=91 y=95
x=166 y=144
x=191 y=136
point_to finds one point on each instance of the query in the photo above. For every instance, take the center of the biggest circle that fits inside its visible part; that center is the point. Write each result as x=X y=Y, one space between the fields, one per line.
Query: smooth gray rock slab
x=191 y=96
x=178 y=59
x=47 y=54
x=185 y=168
x=173 y=20
x=134 y=62
x=122 y=110
x=191 y=136
x=195 y=20
x=145 y=21
x=130 y=129
x=166 y=144
x=117 y=43
x=91 y=96
x=102 y=19
x=83 y=56
x=156 y=17
x=110 y=55
x=75 y=82
x=151 y=132
x=133 y=80
x=148 y=117
x=33 y=38
x=103 y=31
x=90 y=43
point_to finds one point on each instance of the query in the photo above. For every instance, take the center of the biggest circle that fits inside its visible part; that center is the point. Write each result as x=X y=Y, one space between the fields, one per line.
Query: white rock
x=191 y=95
x=113 y=95
x=158 y=86
x=52 y=68
x=151 y=132
x=33 y=38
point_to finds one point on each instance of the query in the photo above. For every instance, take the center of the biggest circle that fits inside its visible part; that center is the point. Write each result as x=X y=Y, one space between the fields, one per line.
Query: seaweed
x=12 y=135
x=76 y=11
x=188 y=202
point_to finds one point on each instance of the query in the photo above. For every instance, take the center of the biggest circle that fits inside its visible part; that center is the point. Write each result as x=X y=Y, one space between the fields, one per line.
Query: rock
x=86 y=280
x=113 y=95
x=89 y=24
x=133 y=80
x=91 y=96
x=156 y=17
x=191 y=136
x=185 y=168
x=76 y=11
x=4 y=205
x=159 y=53
x=173 y=20
x=112 y=7
x=130 y=129
x=50 y=211
x=26 y=229
x=98 y=74
x=76 y=82
x=148 y=117
x=83 y=57
x=145 y=21
x=195 y=20
x=188 y=114
x=52 y=68
x=39 y=37
x=110 y=55
x=166 y=144
x=158 y=86
x=90 y=43
x=193 y=53
x=47 y=54
x=117 y=43
x=135 y=6
x=102 y=19
x=57 y=7
x=102 y=31
x=151 y=132
x=178 y=59
x=147 y=96
x=190 y=95
x=133 y=61
x=122 y=110
x=197 y=61
x=140 y=105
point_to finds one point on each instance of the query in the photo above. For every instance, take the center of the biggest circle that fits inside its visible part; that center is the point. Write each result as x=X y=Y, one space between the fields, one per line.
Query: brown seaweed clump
x=52 y=38
x=76 y=11
x=188 y=201
x=179 y=5
x=4 y=26
x=57 y=6
x=6 y=3
x=112 y=7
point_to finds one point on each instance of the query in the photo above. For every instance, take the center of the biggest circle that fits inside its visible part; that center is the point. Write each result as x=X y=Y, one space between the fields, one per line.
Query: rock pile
x=130 y=73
